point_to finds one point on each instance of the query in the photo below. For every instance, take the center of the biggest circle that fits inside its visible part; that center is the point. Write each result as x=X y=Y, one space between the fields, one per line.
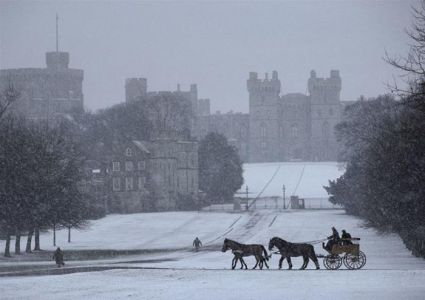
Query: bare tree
x=412 y=65
x=7 y=97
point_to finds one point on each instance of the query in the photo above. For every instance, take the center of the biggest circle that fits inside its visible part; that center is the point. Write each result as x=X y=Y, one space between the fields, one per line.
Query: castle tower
x=324 y=115
x=263 y=117
x=135 y=88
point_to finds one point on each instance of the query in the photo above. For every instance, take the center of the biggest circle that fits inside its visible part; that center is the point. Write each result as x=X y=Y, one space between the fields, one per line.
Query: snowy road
x=391 y=271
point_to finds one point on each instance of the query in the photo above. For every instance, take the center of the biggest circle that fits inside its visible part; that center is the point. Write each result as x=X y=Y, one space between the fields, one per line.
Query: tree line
x=384 y=141
x=43 y=180
x=40 y=172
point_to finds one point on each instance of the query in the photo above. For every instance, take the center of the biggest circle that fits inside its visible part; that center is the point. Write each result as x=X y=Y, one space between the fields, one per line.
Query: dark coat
x=58 y=256
x=346 y=238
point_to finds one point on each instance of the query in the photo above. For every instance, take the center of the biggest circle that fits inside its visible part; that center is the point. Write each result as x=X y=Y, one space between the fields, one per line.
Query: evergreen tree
x=220 y=169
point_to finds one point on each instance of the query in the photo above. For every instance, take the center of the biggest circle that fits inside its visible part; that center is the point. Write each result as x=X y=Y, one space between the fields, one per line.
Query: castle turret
x=135 y=88
x=325 y=108
x=57 y=60
x=325 y=90
x=263 y=117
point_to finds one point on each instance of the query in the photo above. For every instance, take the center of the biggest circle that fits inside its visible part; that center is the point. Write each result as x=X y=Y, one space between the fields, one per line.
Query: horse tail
x=265 y=252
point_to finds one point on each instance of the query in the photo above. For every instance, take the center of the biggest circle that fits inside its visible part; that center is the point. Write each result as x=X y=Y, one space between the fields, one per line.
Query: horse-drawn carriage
x=349 y=254
x=342 y=251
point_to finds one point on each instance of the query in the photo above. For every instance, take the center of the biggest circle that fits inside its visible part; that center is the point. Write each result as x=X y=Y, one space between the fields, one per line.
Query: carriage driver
x=332 y=240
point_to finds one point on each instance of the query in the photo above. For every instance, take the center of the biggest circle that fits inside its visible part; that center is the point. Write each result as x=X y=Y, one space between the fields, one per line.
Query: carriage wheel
x=355 y=262
x=332 y=262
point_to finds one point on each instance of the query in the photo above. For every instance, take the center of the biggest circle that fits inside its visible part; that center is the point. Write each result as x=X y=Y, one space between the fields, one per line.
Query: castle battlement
x=325 y=89
x=254 y=84
x=135 y=88
x=332 y=82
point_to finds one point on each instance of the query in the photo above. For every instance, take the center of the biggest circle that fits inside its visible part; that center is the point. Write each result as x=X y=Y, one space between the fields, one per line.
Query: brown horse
x=247 y=250
x=288 y=250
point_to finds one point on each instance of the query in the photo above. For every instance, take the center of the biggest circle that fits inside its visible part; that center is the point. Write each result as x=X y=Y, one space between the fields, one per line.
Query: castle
x=293 y=126
x=46 y=93
x=282 y=128
x=278 y=127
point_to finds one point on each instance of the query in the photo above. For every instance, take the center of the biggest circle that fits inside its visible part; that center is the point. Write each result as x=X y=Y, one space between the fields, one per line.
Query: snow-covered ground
x=304 y=179
x=391 y=272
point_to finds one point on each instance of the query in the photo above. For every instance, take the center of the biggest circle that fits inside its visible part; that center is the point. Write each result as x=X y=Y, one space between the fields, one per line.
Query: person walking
x=58 y=257
x=197 y=244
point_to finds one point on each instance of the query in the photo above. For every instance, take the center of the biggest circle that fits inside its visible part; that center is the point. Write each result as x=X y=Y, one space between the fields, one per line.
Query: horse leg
x=234 y=262
x=243 y=263
x=305 y=262
x=288 y=258
x=313 y=257
x=281 y=261
x=256 y=263
x=260 y=259
x=265 y=262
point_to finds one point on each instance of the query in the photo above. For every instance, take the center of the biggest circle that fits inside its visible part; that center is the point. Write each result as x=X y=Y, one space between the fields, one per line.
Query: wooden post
x=54 y=234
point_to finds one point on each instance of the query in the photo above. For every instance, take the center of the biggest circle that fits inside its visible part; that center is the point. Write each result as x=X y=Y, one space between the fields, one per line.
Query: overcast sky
x=214 y=44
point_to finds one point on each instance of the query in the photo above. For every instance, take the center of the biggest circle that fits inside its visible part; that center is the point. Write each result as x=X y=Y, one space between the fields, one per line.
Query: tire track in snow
x=274 y=219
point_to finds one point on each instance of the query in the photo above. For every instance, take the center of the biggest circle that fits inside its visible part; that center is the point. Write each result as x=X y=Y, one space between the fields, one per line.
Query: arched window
x=128 y=152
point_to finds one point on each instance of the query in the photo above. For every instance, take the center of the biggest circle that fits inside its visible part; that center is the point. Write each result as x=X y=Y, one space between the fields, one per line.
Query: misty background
x=213 y=44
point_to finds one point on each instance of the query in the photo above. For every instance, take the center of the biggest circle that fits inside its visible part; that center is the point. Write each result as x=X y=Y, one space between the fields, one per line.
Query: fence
x=276 y=203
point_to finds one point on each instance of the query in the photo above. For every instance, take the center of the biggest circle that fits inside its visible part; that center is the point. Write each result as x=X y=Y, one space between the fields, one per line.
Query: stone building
x=46 y=93
x=151 y=175
x=234 y=126
x=171 y=159
x=285 y=127
x=126 y=177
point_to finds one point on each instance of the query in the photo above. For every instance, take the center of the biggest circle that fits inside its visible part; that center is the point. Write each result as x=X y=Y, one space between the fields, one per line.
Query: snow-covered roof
x=141 y=146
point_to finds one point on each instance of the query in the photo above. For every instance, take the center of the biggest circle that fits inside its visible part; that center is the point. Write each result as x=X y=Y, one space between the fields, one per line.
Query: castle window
x=325 y=129
x=142 y=182
x=263 y=146
x=129 y=183
x=263 y=131
x=128 y=152
x=129 y=166
x=192 y=160
x=294 y=131
x=116 y=184
x=141 y=165
x=116 y=166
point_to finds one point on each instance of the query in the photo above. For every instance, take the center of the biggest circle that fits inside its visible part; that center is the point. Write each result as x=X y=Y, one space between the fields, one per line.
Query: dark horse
x=288 y=250
x=241 y=250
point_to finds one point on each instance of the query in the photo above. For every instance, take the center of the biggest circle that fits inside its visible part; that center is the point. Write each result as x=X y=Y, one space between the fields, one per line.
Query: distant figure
x=58 y=257
x=197 y=243
x=346 y=238
x=332 y=240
